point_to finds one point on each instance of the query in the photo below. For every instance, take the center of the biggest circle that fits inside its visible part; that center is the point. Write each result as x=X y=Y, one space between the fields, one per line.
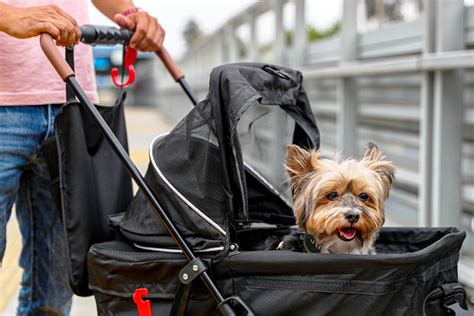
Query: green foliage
x=315 y=35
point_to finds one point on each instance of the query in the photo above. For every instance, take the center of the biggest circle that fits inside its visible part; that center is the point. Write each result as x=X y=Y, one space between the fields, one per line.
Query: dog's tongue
x=348 y=233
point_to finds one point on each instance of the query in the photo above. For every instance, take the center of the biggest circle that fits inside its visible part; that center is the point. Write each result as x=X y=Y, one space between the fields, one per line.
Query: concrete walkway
x=143 y=124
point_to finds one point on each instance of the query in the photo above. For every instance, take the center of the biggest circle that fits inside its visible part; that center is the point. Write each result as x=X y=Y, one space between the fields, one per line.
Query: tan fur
x=313 y=178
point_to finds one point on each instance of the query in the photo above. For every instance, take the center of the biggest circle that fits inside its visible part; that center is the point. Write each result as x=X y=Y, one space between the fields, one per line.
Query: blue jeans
x=25 y=182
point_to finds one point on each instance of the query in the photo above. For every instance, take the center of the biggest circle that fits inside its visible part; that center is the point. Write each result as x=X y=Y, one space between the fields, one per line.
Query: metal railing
x=407 y=86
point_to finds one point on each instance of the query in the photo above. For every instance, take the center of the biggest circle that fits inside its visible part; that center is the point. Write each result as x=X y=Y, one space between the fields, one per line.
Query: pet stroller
x=203 y=258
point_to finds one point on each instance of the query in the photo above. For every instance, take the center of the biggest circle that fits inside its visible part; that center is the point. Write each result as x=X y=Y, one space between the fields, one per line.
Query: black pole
x=187 y=89
x=140 y=181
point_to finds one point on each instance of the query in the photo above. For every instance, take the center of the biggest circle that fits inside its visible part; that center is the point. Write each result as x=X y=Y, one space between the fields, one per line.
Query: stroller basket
x=411 y=264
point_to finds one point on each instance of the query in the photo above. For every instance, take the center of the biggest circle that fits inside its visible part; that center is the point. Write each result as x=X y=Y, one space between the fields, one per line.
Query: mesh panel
x=193 y=146
x=264 y=146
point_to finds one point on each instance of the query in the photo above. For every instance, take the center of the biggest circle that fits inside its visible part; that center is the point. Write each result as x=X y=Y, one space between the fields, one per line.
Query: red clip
x=144 y=307
x=130 y=58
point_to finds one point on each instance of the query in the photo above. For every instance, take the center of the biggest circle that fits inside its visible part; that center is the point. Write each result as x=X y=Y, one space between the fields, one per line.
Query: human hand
x=149 y=35
x=26 y=22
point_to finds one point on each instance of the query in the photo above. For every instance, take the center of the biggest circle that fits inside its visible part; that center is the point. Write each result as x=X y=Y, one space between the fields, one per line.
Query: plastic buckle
x=450 y=302
x=143 y=306
x=238 y=300
x=129 y=58
x=457 y=309
x=276 y=72
x=191 y=271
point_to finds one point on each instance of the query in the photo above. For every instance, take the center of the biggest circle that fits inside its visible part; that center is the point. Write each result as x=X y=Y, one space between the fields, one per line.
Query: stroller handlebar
x=104 y=35
x=109 y=35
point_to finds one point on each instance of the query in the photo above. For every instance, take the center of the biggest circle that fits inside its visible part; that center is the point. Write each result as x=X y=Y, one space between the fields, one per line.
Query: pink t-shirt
x=26 y=75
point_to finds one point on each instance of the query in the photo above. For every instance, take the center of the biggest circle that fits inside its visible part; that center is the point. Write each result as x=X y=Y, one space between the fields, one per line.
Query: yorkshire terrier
x=338 y=205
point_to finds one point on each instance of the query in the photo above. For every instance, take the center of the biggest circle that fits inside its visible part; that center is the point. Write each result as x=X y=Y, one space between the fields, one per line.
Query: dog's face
x=340 y=204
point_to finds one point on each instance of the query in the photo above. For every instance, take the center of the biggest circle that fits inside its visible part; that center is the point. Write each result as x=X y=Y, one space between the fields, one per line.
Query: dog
x=338 y=205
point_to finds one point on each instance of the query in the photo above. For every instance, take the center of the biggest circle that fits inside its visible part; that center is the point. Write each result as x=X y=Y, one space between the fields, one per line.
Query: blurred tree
x=315 y=34
x=191 y=31
x=387 y=10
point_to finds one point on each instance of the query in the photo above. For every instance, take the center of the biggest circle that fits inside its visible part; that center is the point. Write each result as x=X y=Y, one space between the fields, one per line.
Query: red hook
x=130 y=58
x=143 y=306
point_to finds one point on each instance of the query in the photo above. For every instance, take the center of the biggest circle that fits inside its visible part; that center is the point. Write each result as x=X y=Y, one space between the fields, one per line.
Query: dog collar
x=310 y=244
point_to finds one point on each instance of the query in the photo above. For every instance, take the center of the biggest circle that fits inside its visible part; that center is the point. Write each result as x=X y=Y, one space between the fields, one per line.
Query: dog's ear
x=299 y=162
x=375 y=160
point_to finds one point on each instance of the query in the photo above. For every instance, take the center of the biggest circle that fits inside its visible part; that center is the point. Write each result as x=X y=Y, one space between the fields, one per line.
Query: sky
x=212 y=14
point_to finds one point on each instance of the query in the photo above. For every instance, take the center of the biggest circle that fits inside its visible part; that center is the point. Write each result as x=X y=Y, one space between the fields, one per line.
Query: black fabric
x=117 y=269
x=411 y=263
x=198 y=166
x=265 y=203
x=49 y=150
x=69 y=55
x=93 y=183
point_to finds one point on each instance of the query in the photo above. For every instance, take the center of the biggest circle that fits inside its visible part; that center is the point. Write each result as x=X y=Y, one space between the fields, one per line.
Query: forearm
x=4 y=14
x=112 y=7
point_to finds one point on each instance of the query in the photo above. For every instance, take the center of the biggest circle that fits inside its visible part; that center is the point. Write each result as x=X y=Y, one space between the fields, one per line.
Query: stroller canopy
x=197 y=171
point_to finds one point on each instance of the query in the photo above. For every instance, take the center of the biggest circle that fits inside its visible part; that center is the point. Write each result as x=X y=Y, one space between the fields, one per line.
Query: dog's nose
x=352 y=217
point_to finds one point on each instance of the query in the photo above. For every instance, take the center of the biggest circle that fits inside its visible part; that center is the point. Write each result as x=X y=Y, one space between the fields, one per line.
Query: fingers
x=147 y=42
x=124 y=22
x=65 y=15
x=69 y=29
x=47 y=27
x=141 y=20
x=159 y=39
x=149 y=35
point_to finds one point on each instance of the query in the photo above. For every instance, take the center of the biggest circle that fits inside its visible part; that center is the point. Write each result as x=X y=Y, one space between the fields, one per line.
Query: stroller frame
x=428 y=262
x=110 y=36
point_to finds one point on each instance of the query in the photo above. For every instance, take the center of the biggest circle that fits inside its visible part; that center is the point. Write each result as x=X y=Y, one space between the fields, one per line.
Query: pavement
x=143 y=125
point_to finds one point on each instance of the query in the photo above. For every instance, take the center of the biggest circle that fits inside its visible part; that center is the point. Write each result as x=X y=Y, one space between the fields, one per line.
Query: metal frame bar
x=300 y=39
x=280 y=119
x=425 y=162
x=448 y=119
x=346 y=118
x=396 y=65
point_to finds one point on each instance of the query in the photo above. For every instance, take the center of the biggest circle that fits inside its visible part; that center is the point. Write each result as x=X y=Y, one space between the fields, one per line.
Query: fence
x=407 y=86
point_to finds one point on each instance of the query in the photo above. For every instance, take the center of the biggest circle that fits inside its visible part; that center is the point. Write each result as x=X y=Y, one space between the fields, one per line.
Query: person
x=30 y=96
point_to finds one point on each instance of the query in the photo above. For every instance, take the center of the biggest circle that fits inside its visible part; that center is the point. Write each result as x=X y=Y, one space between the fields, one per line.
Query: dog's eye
x=363 y=196
x=332 y=196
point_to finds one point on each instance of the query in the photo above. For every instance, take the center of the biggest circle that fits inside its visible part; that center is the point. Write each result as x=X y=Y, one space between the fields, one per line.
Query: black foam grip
x=104 y=35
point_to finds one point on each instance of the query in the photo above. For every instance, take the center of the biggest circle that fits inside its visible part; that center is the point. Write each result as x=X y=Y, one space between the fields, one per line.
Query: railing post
x=448 y=118
x=253 y=46
x=299 y=40
x=221 y=46
x=425 y=163
x=346 y=119
x=280 y=118
x=279 y=42
x=232 y=46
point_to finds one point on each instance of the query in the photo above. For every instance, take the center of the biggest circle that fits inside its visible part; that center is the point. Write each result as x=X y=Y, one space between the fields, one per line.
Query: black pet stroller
x=203 y=257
